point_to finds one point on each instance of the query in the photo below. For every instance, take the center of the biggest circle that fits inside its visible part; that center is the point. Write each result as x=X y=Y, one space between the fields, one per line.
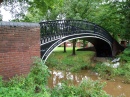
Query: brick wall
x=19 y=42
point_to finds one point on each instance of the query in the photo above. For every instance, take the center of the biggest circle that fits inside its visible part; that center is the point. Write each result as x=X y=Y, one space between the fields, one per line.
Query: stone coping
x=19 y=24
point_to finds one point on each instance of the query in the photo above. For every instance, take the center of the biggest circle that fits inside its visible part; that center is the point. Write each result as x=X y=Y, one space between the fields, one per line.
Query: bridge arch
x=54 y=33
x=91 y=38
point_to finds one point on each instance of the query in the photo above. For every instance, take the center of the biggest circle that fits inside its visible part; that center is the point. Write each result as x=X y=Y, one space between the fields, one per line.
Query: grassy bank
x=61 y=49
x=67 y=61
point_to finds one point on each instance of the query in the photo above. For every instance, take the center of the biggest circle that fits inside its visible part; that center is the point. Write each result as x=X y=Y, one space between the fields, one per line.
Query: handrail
x=51 y=29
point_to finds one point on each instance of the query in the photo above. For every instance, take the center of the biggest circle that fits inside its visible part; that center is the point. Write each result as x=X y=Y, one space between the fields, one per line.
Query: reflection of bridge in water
x=54 y=33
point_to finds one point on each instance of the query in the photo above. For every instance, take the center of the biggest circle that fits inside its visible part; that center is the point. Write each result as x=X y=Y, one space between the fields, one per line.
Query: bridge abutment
x=19 y=42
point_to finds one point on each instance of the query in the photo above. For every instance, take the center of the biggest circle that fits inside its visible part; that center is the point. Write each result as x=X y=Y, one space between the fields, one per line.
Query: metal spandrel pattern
x=59 y=28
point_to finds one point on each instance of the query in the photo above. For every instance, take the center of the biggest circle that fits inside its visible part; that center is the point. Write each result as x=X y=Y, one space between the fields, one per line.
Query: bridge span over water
x=54 y=33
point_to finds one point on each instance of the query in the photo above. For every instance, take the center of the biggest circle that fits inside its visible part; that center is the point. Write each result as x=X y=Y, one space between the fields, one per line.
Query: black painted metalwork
x=53 y=33
x=51 y=30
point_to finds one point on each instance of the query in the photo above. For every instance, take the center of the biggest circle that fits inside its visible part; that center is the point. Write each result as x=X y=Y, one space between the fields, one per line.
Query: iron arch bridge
x=54 y=33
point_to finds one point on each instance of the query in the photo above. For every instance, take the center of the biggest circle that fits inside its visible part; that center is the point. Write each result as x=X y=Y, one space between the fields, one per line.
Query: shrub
x=124 y=71
x=105 y=71
x=125 y=56
x=87 y=88
x=34 y=85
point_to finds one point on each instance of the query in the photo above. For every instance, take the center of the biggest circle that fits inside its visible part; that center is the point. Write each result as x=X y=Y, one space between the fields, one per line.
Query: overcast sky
x=6 y=14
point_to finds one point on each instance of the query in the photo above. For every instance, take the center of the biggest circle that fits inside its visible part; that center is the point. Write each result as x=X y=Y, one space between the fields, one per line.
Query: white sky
x=6 y=14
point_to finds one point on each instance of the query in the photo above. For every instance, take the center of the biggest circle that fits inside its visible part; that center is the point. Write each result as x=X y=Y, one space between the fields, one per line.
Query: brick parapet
x=18 y=44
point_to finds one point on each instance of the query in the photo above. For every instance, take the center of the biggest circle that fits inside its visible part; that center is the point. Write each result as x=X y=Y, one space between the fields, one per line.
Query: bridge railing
x=51 y=30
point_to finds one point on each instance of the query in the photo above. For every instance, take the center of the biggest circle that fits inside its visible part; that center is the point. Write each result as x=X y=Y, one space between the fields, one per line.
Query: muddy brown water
x=114 y=88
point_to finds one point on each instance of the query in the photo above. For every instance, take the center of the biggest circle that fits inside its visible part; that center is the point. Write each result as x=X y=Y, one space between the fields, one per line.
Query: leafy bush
x=87 y=88
x=125 y=56
x=124 y=71
x=125 y=66
x=107 y=72
x=34 y=85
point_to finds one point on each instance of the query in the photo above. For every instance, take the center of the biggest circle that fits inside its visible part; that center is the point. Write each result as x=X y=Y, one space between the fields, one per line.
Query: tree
x=84 y=42
x=64 y=47
x=1 y=1
x=76 y=9
x=125 y=20
x=0 y=17
x=26 y=10
x=114 y=17
x=74 y=45
x=41 y=5
x=40 y=10
x=17 y=8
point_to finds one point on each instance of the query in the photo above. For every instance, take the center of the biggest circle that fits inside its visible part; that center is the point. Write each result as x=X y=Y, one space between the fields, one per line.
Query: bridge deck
x=53 y=33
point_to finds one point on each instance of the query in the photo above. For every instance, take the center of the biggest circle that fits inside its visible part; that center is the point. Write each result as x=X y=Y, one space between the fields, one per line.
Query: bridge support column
x=117 y=48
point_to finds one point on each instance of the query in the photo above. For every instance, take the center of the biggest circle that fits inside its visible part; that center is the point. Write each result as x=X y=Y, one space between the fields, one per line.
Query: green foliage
x=125 y=56
x=124 y=72
x=78 y=9
x=65 y=61
x=40 y=10
x=106 y=15
x=125 y=21
x=34 y=85
x=113 y=16
x=39 y=72
x=125 y=64
x=17 y=8
x=107 y=72
x=87 y=88
x=1 y=17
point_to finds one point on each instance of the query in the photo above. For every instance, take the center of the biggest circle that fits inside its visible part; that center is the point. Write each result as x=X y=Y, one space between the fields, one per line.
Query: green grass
x=67 y=61
x=61 y=49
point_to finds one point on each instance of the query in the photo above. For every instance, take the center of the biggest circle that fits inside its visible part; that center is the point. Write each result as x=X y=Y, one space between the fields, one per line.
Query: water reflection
x=115 y=88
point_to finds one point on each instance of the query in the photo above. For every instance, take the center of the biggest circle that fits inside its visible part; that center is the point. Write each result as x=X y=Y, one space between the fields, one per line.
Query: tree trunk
x=64 y=47
x=84 y=44
x=74 y=45
x=1 y=1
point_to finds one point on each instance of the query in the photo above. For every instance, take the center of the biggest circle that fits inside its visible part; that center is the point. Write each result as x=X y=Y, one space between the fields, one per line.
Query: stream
x=114 y=88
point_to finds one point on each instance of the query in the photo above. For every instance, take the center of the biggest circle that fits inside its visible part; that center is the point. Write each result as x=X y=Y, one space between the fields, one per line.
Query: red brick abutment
x=19 y=43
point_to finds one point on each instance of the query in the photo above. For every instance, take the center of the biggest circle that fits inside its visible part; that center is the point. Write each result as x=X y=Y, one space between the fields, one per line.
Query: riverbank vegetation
x=67 y=61
x=35 y=85
x=85 y=60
